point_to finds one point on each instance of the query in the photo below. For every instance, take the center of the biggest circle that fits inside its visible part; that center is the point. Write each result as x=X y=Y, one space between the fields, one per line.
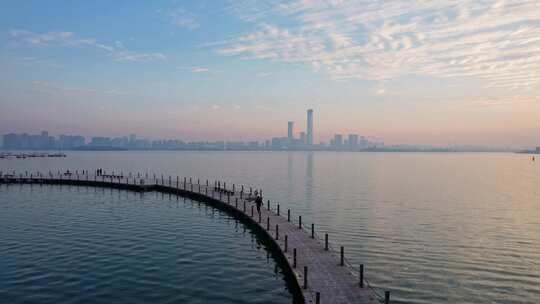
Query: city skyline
x=292 y=141
x=432 y=73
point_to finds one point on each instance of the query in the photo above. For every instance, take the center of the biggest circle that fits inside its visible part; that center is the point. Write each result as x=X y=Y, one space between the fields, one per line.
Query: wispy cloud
x=34 y=61
x=182 y=18
x=44 y=86
x=199 y=70
x=263 y=75
x=497 y=42
x=68 y=39
x=195 y=69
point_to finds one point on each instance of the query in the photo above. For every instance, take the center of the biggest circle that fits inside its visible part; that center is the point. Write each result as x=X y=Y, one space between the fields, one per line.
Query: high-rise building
x=303 y=137
x=338 y=140
x=290 y=130
x=353 y=141
x=309 y=139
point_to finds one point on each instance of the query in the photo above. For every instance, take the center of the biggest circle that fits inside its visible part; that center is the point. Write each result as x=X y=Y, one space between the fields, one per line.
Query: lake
x=430 y=227
x=65 y=244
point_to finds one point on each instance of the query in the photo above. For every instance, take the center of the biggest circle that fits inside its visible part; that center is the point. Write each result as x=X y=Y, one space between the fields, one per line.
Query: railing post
x=361 y=276
x=177 y=181
x=312 y=230
x=244 y=206
x=268 y=205
x=305 y=277
x=294 y=258
x=251 y=211
x=342 y=254
x=268 y=223
x=286 y=242
x=277 y=232
x=317 y=298
x=288 y=215
x=278 y=209
x=299 y=222
x=387 y=297
x=326 y=241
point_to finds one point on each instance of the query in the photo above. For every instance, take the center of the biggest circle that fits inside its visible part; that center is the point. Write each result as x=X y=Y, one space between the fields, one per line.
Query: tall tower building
x=309 y=139
x=290 y=135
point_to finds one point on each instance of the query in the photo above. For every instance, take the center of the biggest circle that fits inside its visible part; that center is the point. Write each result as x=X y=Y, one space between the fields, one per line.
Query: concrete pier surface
x=321 y=274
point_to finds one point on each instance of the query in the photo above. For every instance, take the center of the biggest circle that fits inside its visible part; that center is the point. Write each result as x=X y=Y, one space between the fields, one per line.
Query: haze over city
x=401 y=72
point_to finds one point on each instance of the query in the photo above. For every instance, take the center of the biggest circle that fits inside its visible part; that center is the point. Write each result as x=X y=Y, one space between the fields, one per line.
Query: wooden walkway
x=321 y=274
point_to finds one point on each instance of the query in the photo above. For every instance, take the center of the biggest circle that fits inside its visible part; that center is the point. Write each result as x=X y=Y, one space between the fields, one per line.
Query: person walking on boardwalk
x=259 y=202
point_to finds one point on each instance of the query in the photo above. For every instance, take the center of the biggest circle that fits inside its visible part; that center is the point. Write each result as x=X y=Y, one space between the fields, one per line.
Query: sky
x=463 y=72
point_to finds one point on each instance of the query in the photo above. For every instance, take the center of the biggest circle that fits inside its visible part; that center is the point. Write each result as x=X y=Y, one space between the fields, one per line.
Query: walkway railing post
x=268 y=223
x=277 y=232
x=387 y=297
x=299 y=222
x=326 y=241
x=294 y=258
x=317 y=298
x=244 y=206
x=177 y=182
x=278 y=209
x=361 y=275
x=342 y=255
x=286 y=243
x=312 y=230
x=251 y=211
x=268 y=205
x=288 y=215
x=305 y=277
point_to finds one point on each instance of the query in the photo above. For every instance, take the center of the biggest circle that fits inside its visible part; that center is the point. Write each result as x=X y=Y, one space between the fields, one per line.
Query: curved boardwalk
x=329 y=278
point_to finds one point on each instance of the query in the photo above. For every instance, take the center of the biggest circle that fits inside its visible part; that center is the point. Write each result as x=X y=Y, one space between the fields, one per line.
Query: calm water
x=432 y=228
x=87 y=245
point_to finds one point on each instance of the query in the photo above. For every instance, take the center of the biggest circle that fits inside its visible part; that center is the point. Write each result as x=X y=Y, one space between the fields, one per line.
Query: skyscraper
x=309 y=139
x=290 y=131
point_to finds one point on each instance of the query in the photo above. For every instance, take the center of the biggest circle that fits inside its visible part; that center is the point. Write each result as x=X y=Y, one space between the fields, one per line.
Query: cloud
x=195 y=69
x=497 y=42
x=199 y=70
x=34 y=61
x=215 y=107
x=68 y=39
x=182 y=18
x=44 y=86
